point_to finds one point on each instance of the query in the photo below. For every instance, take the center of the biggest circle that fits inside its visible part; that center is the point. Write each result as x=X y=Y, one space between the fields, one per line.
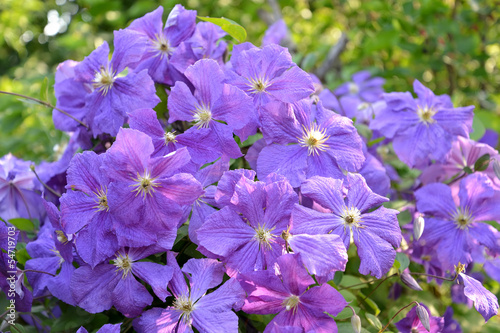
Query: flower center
x=351 y=216
x=184 y=304
x=61 y=237
x=103 y=80
x=162 y=45
x=170 y=137
x=123 y=263
x=314 y=139
x=425 y=114
x=101 y=200
x=258 y=85
x=264 y=236
x=353 y=88
x=363 y=106
x=202 y=116
x=291 y=303
x=145 y=184
x=462 y=218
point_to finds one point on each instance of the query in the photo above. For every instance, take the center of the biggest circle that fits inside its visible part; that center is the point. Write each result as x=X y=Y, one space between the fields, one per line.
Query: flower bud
x=356 y=323
x=423 y=315
x=409 y=281
x=418 y=227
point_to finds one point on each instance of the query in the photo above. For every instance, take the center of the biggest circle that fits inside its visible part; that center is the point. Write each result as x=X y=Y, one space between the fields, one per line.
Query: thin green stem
x=47 y=104
x=390 y=321
x=57 y=194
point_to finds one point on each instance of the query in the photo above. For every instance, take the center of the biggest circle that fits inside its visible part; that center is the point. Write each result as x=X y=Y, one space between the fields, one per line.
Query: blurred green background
x=451 y=46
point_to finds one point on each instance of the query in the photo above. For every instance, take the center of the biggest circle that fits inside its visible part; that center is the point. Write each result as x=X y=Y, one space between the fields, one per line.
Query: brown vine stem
x=35 y=271
x=435 y=276
x=57 y=194
x=367 y=282
x=47 y=104
x=390 y=321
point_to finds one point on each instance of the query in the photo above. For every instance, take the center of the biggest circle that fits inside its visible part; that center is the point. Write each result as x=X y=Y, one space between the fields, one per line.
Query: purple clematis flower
x=246 y=234
x=485 y=302
x=285 y=293
x=85 y=209
x=111 y=96
x=17 y=190
x=98 y=289
x=70 y=95
x=375 y=233
x=275 y=33
x=205 y=43
x=424 y=127
x=212 y=103
x=50 y=253
x=411 y=323
x=147 y=194
x=304 y=141
x=363 y=86
x=456 y=229
x=159 y=43
x=192 y=306
x=464 y=153
x=268 y=74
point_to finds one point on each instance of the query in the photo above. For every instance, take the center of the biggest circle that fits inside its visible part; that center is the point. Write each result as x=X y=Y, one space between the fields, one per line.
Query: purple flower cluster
x=267 y=246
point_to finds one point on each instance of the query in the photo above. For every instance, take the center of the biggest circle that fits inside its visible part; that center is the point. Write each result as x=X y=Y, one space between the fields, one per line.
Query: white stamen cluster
x=264 y=236
x=170 y=137
x=123 y=263
x=103 y=80
x=183 y=303
x=162 y=46
x=258 y=85
x=462 y=218
x=144 y=184
x=101 y=200
x=202 y=116
x=351 y=217
x=313 y=138
x=291 y=303
x=425 y=114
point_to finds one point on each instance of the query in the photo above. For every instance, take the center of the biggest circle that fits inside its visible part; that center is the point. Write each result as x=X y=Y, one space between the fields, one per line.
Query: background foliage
x=452 y=46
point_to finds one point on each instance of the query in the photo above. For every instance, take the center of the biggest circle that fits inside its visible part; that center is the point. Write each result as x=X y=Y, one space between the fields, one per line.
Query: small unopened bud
x=418 y=227
x=356 y=323
x=423 y=315
x=409 y=281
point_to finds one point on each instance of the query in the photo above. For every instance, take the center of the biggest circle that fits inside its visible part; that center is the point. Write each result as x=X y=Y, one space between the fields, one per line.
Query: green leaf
x=482 y=163
x=232 y=28
x=351 y=282
x=468 y=170
x=22 y=224
x=370 y=303
x=374 y=321
x=377 y=140
x=22 y=256
x=181 y=233
x=44 y=90
x=338 y=277
x=346 y=327
x=403 y=261
x=478 y=129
